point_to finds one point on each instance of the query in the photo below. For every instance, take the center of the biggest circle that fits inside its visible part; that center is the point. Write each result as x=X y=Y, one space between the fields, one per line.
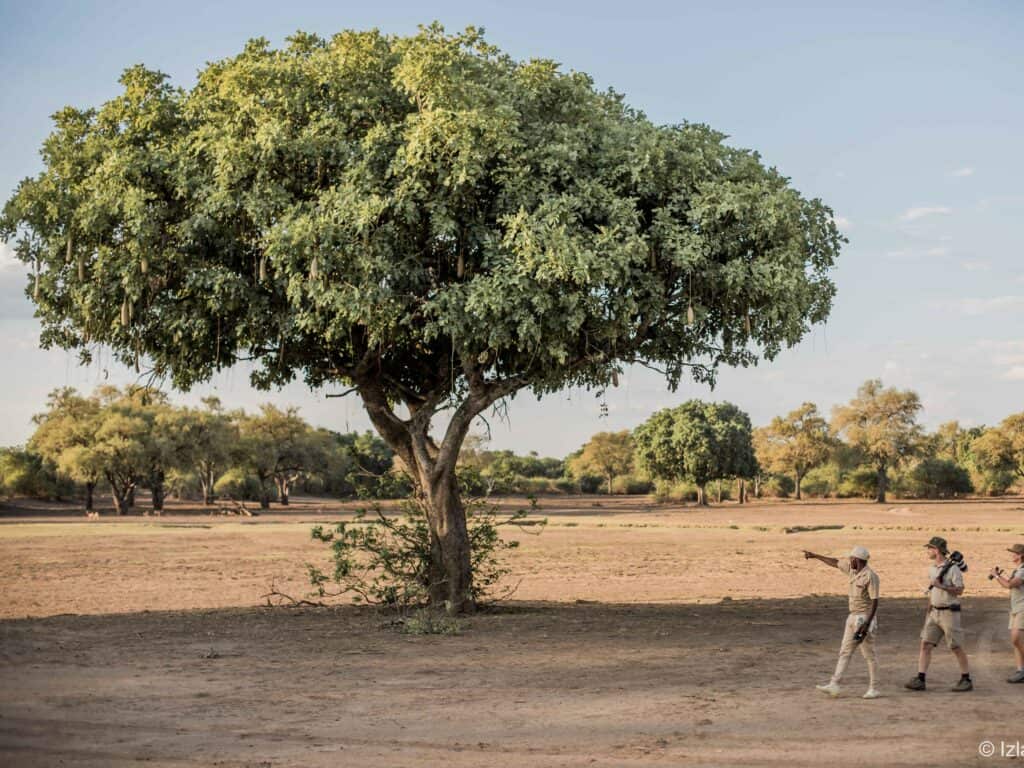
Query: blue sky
x=905 y=117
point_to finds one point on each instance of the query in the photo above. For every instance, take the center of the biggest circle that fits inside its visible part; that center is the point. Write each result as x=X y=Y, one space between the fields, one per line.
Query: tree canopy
x=606 y=454
x=882 y=423
x=424 y=219
x=794 y=443
x=697 y=441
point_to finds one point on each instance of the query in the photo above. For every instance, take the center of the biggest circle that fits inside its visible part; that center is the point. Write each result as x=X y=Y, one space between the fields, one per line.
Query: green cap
x=939 y=543
x=1017 y=549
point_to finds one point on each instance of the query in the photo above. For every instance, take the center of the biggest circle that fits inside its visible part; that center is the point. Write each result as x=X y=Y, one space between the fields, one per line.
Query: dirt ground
x=640 y=634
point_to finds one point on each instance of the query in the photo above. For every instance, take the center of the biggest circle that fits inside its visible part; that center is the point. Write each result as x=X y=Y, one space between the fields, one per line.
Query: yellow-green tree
x=794 y=443
x=608 y=454
x=66 y=434
x=882 y=424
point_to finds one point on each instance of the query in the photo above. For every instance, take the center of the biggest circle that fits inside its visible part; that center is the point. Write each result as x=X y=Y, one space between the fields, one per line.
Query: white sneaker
x=873 y=693
x=830 y=688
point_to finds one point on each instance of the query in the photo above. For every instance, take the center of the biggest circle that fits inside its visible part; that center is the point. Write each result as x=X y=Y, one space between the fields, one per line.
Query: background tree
x=882 y=423
x=699 y=442
x=206 y=437
x=65 y=434
x=608 y=454
x=998 y=454
x=422 y=219
x=794 y=443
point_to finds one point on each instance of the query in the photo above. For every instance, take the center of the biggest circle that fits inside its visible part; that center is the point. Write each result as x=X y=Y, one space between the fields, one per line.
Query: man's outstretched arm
x=834 y=562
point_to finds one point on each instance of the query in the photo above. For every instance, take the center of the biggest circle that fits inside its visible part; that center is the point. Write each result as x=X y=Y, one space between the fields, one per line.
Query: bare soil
x=640 y=634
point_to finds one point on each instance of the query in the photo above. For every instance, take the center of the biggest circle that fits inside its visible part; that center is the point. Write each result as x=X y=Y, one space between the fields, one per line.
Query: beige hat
x=860 y=553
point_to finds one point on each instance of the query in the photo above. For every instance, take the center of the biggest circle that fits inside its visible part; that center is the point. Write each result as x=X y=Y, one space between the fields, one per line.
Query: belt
x=953 y=608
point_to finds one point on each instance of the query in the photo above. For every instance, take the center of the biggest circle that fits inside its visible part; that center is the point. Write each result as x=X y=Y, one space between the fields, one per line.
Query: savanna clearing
x=639 y=634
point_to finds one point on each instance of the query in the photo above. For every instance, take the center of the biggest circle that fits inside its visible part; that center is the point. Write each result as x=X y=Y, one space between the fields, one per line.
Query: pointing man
x=861 y=625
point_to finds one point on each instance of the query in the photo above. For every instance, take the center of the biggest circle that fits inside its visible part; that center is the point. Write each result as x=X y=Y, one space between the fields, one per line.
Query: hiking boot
x=963 y=685
x=872 y=693
x=830 y=688
x=1016 y=677
x=915 y=684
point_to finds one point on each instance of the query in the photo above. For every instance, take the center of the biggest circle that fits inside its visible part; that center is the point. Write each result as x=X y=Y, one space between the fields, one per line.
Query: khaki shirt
x=863 y=586
x=1017 y=593
x=940 y=598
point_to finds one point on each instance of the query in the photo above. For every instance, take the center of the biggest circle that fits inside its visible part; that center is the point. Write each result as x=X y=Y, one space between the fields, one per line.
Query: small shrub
x=385 y=560
x=426 y=622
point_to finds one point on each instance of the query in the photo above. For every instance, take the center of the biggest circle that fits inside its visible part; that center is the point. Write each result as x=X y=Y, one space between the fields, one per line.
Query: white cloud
x=938 y=251
x=963 y=172
x=993 y=304
x=1016 y=373
x=8 y=261
x=912 y=214
x=843 y=223
x=976 y=266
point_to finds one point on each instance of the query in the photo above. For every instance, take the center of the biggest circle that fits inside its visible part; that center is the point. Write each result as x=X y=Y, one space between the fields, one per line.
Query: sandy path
x=169 y=664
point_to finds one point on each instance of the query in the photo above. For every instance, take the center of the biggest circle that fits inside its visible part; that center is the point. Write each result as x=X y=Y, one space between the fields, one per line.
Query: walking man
x=943 y=618
x=861 y=625
x=1015 y=583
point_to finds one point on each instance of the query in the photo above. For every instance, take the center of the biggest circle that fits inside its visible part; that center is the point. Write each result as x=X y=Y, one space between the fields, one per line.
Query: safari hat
x=860 y=553
x=939 y=543
x=1017 y=549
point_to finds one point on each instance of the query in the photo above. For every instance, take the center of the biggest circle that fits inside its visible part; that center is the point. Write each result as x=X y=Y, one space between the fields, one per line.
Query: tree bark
x=283 y=486
x=610 y=477
x=702 y=495
x=742 y=494
x=158 y=491
x=89 y=489
x=719 y=501
x=129 y=498
x=799 y=478
x=883 y=482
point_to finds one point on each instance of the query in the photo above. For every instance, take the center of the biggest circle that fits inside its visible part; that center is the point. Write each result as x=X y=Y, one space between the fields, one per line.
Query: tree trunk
x=719 y=501
x=129 y=498
x=742 y=492
x=702 y=495
x=799 y=478
x=757 y=486
x=282 y=491
x=883 y=482
x=264 y=497
x=610 y=477
x=451 y=573
x=157 y=484
x=206 y=482
x=120 y=500
x=89 y=489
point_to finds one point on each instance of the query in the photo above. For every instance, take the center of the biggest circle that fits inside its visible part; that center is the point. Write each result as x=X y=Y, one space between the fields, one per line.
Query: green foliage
x=386 y=560
x=933 y=478
x=697 y=441
x=24 y=473
x=607 y=454
x=794 y=444
x=632 y=485
x=238 y=483
x=424 y=621
x=882 y=424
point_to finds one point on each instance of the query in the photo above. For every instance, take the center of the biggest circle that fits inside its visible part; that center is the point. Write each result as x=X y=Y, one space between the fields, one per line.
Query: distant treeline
x=122 y=440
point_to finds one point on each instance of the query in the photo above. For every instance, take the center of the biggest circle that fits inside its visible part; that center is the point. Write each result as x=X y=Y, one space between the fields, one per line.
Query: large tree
x=794 y=443
x=698 y=442
x=421 y=219
x=882 y=424
x=998 y=453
